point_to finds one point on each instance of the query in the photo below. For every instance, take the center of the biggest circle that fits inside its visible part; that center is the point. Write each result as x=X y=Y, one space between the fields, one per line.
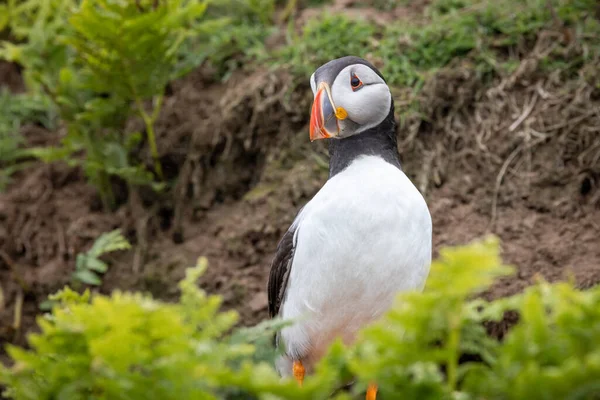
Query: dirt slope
x=518 y=158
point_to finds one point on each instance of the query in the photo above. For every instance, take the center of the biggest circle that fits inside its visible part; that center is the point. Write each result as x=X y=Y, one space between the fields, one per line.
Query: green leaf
x=4 y=17
x=96 y=265
x=48 y=154
x=109 y=242
x=88 y=277
x=46 y=305
x=67 y=296
x=129 y=345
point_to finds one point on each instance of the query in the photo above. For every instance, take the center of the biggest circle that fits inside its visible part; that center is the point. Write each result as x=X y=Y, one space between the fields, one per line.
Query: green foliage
x=476 y=29
x=88 y=265
x=250 y=11
x=130 y=346
x=40 y=26
x=553 y=353
x=231 y=37
x=15 y=111
x=67 y=296
x=416 y=350
x=387 y=5
x=131 y=48
x=52 y=69
x=411 y=51
x=20 y=109
x=430 y=345
x=447 y=6
x=323 y=39
x=431 y=329
x=102 y=62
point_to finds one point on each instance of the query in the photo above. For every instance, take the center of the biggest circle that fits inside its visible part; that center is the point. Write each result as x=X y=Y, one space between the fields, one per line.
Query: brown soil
x=519 y=158
x=10 y=77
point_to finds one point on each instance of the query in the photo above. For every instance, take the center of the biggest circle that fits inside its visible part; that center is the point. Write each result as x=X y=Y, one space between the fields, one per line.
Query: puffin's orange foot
x=371 y=392
x=298 y=370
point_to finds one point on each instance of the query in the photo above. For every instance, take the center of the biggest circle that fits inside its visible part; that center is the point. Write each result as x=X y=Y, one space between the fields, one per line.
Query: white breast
x=365 y=236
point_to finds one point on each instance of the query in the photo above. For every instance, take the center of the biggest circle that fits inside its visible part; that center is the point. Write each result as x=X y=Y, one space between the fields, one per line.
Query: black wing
x=280 y=271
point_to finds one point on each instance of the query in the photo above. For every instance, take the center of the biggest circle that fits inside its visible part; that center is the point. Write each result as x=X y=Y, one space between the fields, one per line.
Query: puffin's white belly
x=364 y=237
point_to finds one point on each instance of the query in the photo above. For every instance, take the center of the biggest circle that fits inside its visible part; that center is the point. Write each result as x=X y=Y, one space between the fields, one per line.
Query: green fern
x=89 y=266
x=132 y=48
x=100 y=62
x=131 y=346
x=17 y=110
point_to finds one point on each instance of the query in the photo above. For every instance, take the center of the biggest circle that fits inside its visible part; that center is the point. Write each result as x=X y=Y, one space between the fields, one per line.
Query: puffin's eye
x=355 y=82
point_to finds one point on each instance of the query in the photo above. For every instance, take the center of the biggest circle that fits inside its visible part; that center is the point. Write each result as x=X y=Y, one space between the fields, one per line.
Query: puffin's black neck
x=378 y=141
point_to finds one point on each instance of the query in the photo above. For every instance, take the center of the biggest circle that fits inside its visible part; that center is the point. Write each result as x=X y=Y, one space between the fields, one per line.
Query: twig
x=501 y=174
x=499 y=178
x=141 y=226
x=524 y=114
x=425 y=172
x=18 y=312
x=574 y=121
x=141 y=249
x=1 y=299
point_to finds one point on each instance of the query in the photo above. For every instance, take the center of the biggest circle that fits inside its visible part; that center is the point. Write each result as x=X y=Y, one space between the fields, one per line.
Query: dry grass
x=525 y=129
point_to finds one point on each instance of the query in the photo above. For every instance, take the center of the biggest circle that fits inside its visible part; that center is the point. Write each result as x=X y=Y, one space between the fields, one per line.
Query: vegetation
x=490 y=34
x=15 y=111
x=92 y=66
x=98 y=63
x=431 y=345
x=88 y=265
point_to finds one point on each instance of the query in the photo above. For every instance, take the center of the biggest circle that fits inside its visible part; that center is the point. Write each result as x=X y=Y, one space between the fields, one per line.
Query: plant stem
x=98 y=175
x=153 y=149
x=18 y=311
x=149 y=122
x=288 y=10
x=106 y=193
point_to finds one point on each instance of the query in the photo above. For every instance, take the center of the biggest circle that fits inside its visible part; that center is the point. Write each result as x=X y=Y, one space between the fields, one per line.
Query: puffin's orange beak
x=323 y=120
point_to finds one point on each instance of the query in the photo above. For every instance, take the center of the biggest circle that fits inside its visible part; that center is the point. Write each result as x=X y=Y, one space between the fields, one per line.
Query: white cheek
x=368 y=106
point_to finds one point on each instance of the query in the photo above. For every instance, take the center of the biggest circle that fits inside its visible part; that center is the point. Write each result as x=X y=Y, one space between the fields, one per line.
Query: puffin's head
x=351 y=96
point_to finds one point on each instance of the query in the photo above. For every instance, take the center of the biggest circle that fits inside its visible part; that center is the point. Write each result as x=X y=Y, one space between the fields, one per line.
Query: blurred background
x=136 y=136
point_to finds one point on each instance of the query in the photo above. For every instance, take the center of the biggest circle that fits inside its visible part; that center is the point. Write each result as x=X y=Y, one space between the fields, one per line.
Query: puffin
x=364 y=237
